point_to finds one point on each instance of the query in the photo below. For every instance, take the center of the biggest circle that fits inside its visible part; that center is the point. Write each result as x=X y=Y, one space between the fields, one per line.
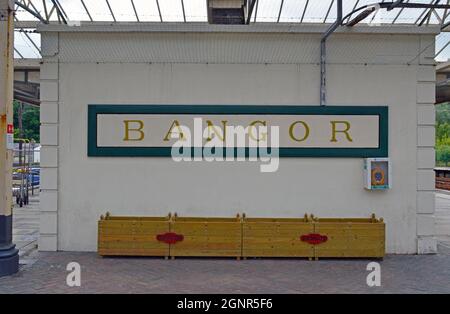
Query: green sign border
x=382 y=111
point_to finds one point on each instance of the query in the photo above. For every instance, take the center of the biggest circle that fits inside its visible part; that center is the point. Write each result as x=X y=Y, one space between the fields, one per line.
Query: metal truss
x=434 y=12
x=52 y=11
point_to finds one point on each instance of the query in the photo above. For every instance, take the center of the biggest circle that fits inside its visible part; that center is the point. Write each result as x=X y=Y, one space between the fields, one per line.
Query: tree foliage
x=443 y=134
x=30 y=122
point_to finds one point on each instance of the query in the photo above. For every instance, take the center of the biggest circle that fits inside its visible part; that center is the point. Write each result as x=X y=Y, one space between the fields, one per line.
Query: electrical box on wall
x=377 y=174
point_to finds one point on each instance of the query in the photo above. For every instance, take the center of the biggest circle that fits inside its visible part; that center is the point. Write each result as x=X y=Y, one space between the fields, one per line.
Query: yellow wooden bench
x=350 y=237
x=207 y=236
x=241 y=236
x=133 y=236
x=276 y=237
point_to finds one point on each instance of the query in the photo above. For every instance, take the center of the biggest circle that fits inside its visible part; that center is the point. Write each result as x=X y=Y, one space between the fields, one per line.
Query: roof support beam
x=250 y=11
x=21 y=30
x=25 y=24
x=444 y=15
x=59 y=11
x=44 y=4
x=304 y=11
x=53 y=10
x=32 y=12
x=111 y=11
x=394 y=5
x=60 y=7
x=368 y=9
x=438 y=17
x=399 y=13
x=281 y=9
x=135 y=11
x=184 y=13
x=328 y=11
x=87 y=11
x=445 y=25
x=427 y=17
x=28 y=100
x=31 y=4
x=31 y=40
x=18 y=52
x=442 y=49
x=159 y=11
x=421 y=14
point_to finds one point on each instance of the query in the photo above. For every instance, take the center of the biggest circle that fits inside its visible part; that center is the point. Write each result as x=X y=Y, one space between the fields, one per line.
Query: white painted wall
x=365 y=69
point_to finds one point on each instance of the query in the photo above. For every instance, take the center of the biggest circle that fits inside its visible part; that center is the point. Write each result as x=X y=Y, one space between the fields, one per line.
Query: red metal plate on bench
x=170 y=237
x=314 y=238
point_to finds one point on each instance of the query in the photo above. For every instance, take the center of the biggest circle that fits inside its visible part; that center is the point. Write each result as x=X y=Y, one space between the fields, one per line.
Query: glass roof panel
x=123 y=10
x=195 y=10
x=171 y=10
x=398 y=16
x=355 y=5
x=255 y=9
x=268 y=10
x=441 y=40
x=38 y=5
x=99 y=10
x=317 y=11
x=23 y=15
x=25 y=47
x=292 y=11
x=74 y=10
x=347 y=7
x=51 y=10
x=147 y=10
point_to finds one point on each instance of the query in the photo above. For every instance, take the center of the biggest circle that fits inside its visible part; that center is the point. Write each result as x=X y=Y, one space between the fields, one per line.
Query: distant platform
x=441 y=168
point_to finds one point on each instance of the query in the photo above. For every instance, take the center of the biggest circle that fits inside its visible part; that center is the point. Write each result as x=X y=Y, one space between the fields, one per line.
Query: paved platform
x=46 y=272
x=442 y=216
x=399 y=274
x=26 y=225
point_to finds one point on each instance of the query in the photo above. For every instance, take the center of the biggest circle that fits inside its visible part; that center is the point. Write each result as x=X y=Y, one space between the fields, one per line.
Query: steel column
x=323 y=54
x=9 y=257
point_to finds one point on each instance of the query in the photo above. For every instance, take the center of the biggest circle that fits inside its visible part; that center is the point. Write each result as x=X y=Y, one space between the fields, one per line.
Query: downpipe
x=323 y=54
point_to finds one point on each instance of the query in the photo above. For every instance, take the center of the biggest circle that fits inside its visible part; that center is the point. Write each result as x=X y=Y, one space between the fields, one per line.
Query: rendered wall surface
x=243 y=69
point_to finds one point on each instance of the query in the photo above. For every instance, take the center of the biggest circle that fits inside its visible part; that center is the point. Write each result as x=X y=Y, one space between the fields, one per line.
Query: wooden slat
x=264 y=237
x=132 y=236
x=350 y=239
x=220 y=237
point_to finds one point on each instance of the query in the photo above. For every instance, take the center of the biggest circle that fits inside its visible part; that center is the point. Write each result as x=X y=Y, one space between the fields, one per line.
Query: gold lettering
x=345 y=131
x=291 y=131
x=138 y=129
x=216 y=130
x=250 y=131
x=175 y=124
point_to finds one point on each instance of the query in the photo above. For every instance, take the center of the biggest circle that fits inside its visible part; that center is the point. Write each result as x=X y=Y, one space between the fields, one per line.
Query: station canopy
x=414 y=13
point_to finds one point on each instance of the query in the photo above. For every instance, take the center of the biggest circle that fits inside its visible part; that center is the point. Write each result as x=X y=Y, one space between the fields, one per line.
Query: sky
x=195 y=11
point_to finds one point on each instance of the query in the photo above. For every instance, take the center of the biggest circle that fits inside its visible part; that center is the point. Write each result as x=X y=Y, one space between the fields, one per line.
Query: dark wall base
x=9 y=261
x=9 y=255
x=5 y=230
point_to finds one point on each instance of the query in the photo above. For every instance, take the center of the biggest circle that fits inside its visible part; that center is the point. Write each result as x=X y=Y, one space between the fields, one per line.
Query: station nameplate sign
x=303 y=131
